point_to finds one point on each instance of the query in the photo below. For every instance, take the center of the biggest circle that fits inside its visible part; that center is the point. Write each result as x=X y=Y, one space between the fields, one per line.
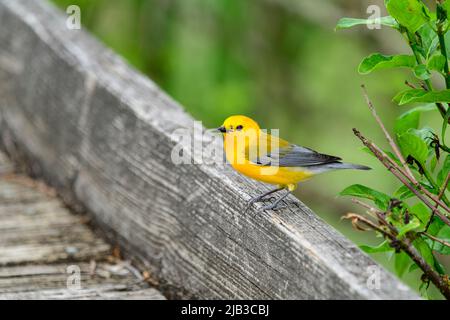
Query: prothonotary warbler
x=267 y=158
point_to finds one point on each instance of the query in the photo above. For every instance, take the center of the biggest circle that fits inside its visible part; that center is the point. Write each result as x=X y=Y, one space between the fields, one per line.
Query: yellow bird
x=267 y=158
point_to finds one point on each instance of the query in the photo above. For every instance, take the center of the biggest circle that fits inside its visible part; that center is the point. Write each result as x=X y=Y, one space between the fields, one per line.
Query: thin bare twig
x=379 y=215
x=436 y=278
x=371 y=210
x=355 y=218
x=409 y=84
x=441 y=193
x=443 y=242
x=444 y=186
x=386 y=133
x=416 y=184
x=407 y=172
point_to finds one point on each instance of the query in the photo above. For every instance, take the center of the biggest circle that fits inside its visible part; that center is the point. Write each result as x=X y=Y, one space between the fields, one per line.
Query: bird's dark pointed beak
x=222 y=129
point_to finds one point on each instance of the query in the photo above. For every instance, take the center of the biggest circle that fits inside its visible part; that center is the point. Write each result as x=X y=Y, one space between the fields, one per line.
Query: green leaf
x=345 y=23
x=424 y=250
x=412 y=225
x=442 y=174
x=429 y=39
x=429 y=187
x=439 y=267
x=378 y=61
x=422 y=108
x=419 y=95
x=421 y=72
x=413 y=267
x=411 y=14
x=436 y=62
x=443 y=234
x=435 y=226
x=423 y=290
x=422 y=212
x=447 y=43
x=411 y=118
x=403 y=193
x=382 y=247
x=406 y=122
x=446 y=6
x=425 y=133
x=402 y=263
x=433 y=163
x=360 y=191
x=412 y=145
x=444 y=125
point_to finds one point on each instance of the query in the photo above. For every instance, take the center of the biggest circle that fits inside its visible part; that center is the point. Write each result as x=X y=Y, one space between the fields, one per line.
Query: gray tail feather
x=344 y=165
x=339 y=165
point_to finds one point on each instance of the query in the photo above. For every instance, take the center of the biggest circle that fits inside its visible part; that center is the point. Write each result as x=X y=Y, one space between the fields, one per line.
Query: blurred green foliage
x=277 y=61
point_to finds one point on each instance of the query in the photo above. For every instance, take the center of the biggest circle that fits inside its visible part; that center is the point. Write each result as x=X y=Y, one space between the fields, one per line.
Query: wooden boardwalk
x=45 y=249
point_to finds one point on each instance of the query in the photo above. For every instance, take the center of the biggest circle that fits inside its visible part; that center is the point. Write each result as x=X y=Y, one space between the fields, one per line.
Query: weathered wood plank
x=38 y=234
x=5 y=165
x=101 y=132
x=50 y=282
x=37 y=277
x=99 y=292
x=35 y=228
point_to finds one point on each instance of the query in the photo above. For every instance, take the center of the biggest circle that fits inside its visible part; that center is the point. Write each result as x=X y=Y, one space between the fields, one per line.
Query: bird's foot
x=273 y=206
x=260 y=198
x=252 y=201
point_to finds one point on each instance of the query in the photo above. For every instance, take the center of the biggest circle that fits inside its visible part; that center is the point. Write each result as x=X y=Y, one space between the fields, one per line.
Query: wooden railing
x=101 y=133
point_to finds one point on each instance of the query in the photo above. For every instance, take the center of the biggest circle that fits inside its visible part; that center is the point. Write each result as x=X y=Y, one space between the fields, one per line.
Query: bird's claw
x=273 y=206
x=251 y=202
x=262 y=198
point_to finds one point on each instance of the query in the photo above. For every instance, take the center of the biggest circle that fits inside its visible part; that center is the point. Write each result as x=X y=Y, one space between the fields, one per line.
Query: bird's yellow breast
x=273 y=175
x=237 y=157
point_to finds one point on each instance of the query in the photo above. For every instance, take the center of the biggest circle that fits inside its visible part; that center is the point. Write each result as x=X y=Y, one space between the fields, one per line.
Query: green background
x=277 y=61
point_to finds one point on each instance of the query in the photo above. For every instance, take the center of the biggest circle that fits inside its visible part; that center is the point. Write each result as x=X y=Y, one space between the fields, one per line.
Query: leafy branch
x=389 y=229
x=404 y=244
x=415 y=219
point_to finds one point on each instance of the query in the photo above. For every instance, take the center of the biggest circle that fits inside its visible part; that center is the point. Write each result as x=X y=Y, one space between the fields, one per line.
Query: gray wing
x=296 y=156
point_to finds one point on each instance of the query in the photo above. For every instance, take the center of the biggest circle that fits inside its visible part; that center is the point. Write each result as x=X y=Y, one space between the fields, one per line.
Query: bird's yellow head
x=241 y=135
x=237 y=125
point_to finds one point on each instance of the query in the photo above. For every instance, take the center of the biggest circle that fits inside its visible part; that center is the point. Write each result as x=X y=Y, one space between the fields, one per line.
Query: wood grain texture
x=35 y=228
x=6 y=166
x=102 y=133
x=98 y=292
x=40 y=241
x=50 y=282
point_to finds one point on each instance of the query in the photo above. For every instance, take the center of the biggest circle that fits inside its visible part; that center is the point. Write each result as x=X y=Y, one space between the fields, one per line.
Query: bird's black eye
x=239 y=127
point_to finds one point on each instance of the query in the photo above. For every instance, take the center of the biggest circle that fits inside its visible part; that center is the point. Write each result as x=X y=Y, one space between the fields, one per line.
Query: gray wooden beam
x=101 y=133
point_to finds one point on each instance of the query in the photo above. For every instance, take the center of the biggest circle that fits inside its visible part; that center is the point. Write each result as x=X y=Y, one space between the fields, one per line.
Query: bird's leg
x=260 y=197
x=274 y=205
